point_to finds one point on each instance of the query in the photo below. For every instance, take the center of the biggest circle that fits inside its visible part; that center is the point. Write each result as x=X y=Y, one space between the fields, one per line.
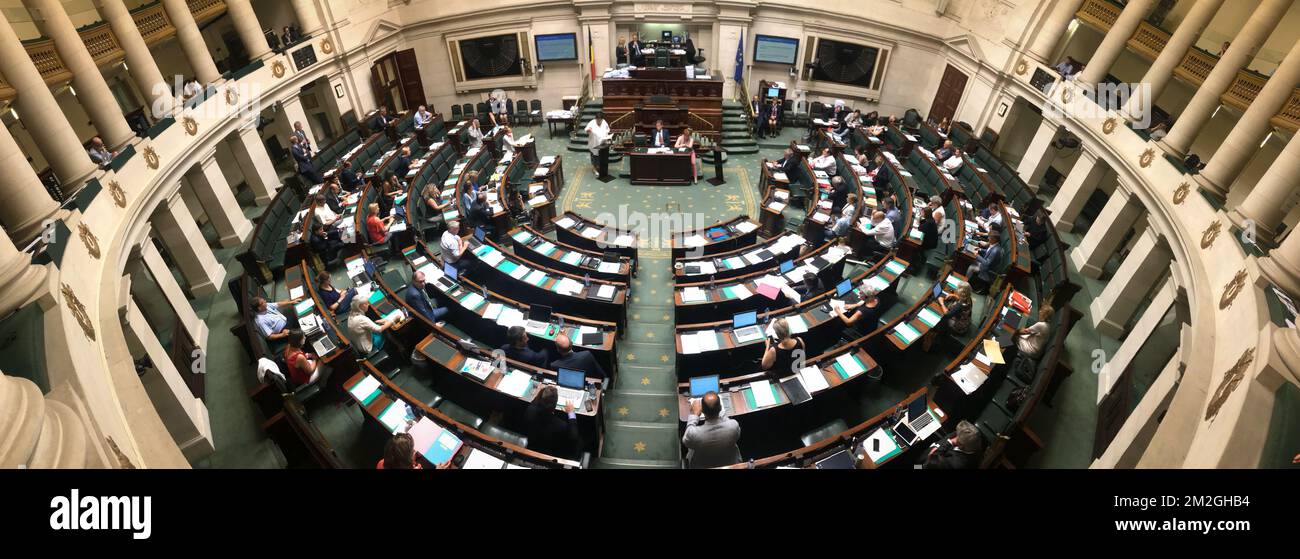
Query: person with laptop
x=418 y=298
x=453 y=246
x=784 y=357
x=479 y=215
x=273 y=324
x=962 y=451
x=516 y=348
x=711 y=436
x=547 y=431
x=304 y=367
x=581 y=360
x=365 y=333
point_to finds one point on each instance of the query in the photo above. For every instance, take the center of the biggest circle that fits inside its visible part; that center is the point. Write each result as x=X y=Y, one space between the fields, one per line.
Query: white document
x=734 y=262
x=565 y=222
x=763 y=396
x=707 y=340
x=296 y=292
x=568 y=286
x=394 y=418
x=493 y=311
x=690 y=344
x=969 y=378
x=515 y=383
x=707 y=267
x=624 y=240
x=813 y=380
x=365 y=388
x=520 y=271
x=693 y=295
x=753 y=257
x=849 y=364
x=479 y=460
x=796 y=323
x=741 y=292
x=511 y=317
x=887 y=445
x=695 y=241
x=472 y=301
x=492 y=257
x=605 y=292
x=609 y=267
x=536 y=277
x=746 y=226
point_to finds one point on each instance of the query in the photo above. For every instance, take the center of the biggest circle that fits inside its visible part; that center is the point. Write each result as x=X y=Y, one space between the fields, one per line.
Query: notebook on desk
x=841 y=460
x=795 y=390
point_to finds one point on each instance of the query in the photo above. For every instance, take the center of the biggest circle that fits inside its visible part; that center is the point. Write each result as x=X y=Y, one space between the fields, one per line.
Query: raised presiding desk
x=661 y=166
x=626 y=99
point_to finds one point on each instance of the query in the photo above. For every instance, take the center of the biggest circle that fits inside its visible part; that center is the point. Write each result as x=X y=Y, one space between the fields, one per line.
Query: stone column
x=1113 y=45
x=23 y=282
x=36 y=432
x=1264 y=207
x=1052 y=28
x=1243 y=140
x=1144 y=265
x=1162 y=70
x=26 y=203
x=259 y=171
x=1075 y=190
x=213 y=191
x=1103 y=238
x=185 y=416
x=147 y=258
x=291 y=108
x=175 y=227
x=1199 y=110
x=191 y=41
x=250 y=30
x=41 y=114
x=140 y=62
x=1039 y=155
x=92 y=90
x=1161 y=300
x=1282 y=265
x=308 y=19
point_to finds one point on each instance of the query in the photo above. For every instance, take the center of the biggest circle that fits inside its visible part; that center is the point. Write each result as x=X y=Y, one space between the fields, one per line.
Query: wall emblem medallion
x=1180 y=193
x=1231 y=379
x=1109 y=126
x=327 y=46
x=119 y=195
x=1022 y=67
x=191 y=125
x=78 y=311
x=1210 y=234
x=1233 y=289
x=232 y=96
x=1067 y=93
x=1146 y=158
x=88 y=239
x=277 y=68
x=151 y=157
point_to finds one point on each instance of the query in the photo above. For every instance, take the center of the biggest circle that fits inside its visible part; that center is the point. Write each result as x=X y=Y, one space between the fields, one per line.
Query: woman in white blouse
x=507 y=140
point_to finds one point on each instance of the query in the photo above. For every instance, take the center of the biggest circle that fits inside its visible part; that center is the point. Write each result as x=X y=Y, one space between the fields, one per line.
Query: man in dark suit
x=348 y=178
x=634 y=50
x=962 y=451
x=790 y=165
x=836 y=113
x=659 y=138
x=711 y=436
x=881 y=180
x=811 y=287
x=418 y=299
x=380 y=122
x=548 y=432
x=306 y=167
x=577 y=360
x=839 y=193
x=517 y=348
x=403 y=165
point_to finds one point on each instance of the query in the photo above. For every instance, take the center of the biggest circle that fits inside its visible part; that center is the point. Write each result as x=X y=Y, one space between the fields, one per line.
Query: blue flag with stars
x=740 y=59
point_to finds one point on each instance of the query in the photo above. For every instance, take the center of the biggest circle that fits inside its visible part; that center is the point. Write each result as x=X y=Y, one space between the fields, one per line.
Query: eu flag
x=740 y=59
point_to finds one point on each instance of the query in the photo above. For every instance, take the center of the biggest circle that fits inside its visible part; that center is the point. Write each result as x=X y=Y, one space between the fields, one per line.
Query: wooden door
x=946 y=100
x=408 y=72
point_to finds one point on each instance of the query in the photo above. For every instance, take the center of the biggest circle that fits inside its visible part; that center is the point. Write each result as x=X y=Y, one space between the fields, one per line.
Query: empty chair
x=787 y=113
x=661 y=57
x=468 y=110
x=483 y=109
x=455 y=112
x=521 y=113
x=535 y=110
x=510 y=111
x=911 y=119
x=818 y=110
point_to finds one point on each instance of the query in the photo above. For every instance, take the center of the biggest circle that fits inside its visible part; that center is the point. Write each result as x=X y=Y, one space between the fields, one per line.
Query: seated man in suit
x=380 y=122
x=962 y=451
x=348 y=178
x=881 y=180
x=418 y=299
x=659 y=137
x=581 y=360
x=984 y=268
x=547 y=431
x=403 y=165
x=811 y=286
x=517 y=348
x=790 y=165
x=839 y=193
x=710 y=440
x=943 y=153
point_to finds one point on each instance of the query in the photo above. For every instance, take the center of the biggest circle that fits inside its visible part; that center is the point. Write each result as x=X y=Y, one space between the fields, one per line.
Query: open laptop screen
x=570 y=378
x=703 y=385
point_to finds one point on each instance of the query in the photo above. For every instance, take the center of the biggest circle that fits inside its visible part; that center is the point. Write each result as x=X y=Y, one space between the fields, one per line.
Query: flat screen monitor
x=556 y=46
x=773 y=92
x=449 y=269
x=843 y=288
x=570 y=378
x=743 y=319
x=540 y=313
x=787 y=266
x=479 y=234
x=776 y=50
x=916 y=409
x=703 y=385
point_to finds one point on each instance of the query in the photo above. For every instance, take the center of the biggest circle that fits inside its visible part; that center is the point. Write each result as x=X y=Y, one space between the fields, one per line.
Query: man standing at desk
x=659 y=138
x=710 y=440
x=597 y=133
x=634 y=50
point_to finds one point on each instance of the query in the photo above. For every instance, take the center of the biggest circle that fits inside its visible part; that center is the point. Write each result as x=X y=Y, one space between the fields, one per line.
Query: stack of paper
x=763 y=395
x=624 y=240
x=511 y=316
x=695 y=241
x=605 y=292
x=520 y=271
x=365 y=389
x=564 y=222
x=516 y=383
x=591 y=232
x=609 y=267
x=746 y=226
x=693 y=295
x=568 y=286
x=849 y=364
x=479 y=460
x=296 y=292
x=472 y=301
x=492 y=257
x=813 y=380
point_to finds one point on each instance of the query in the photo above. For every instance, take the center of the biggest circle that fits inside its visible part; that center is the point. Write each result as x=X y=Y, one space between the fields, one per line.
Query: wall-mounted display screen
x=556 y=46
x=776 y=50
x=845 y=63
x=491 y=57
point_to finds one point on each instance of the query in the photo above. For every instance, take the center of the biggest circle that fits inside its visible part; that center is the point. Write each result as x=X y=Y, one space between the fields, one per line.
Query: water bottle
x=711 y=282
x=586 y=280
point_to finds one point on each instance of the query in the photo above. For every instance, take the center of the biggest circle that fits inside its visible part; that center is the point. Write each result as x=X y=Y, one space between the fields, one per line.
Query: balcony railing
x=103 y=45
x=1148 y=41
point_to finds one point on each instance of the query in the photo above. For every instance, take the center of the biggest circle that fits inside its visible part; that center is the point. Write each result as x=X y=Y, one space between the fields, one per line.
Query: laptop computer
x=920 y=419
x=844 y=291
x=786 y=266
x=448 y=279
x=842 y=460
x=938 y=290
x=323 y=345
x=539 y=316
x=744 y=326
x=703 y=385
x=572 y=388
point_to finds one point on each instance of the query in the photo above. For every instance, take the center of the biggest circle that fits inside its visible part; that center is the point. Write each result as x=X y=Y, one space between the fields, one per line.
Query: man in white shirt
x=453 y=246
x=597 y=132
x=825 y=162
x=191 y=89
x=881 y=235
x=953 y=163
x=423 y=117
x=475 y=134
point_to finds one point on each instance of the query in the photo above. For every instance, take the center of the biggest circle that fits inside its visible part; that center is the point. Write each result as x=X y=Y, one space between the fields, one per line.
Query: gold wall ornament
x=1210 y=234
x=277 y=68
x=191 y=125
x=151 y=157
x=1109 y=126
x=1231 y=379
x=1233 y=289
x=232 y=96
x=1180 y=193
x=88 y=239
x=1021 y=67
x=327 y=46
x=1067 y=93
x=1147 y=157
x=78 y=311
x=119 y=195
